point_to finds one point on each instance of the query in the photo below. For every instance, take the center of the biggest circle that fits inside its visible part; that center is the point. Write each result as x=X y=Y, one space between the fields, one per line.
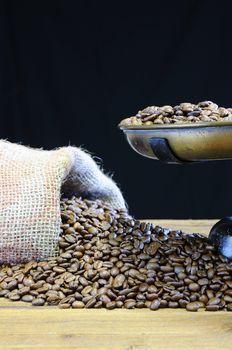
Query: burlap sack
x=31 y=181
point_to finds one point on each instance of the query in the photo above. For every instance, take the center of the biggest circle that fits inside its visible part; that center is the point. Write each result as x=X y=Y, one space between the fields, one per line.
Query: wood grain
x=25 y=327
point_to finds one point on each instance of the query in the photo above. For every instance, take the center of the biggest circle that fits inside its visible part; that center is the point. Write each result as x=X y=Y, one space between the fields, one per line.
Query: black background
x=70 y=70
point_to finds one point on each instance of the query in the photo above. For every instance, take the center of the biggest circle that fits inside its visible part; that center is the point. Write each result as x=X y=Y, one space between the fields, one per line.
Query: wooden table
x=26 y=327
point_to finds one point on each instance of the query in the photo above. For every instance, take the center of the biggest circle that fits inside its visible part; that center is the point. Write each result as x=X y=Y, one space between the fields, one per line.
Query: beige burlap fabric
x=31 y=182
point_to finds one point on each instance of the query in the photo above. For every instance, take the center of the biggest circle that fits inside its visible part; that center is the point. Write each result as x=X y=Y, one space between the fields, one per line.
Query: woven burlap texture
x=31 y=182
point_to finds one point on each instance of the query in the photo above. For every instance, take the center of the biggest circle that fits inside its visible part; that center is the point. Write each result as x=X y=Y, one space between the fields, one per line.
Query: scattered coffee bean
x=27 y=298
x=155 y=305
x=77 y=305
x=214 y=301
x=212 y=307
x=38 y=302
x=109 y=260
x=194 y=306
x=111 y=305
x=64 y=306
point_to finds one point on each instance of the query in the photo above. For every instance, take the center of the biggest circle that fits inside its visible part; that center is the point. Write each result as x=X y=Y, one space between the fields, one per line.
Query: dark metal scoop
x=221 y=236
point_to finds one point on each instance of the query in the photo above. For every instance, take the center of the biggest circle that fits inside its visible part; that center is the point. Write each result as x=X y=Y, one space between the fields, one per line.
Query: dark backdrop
x=70 y=70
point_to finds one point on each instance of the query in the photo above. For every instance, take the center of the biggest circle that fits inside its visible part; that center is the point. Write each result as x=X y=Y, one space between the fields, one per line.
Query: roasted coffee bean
x=118 y=281
x=13 y=296
x=111 y=294
x=212 y=307
x=204 y=299
x=111 y=305
x=107 y=259
x=90 y=303
x=194 y=306
x=4 y=293
x=105 y=299
x=194 y=287
x=205 y=111
x=64 y=306
x=183 y=303
x=53 y=299
x=23 y=291
x=163 y=303
x=228 y=299
x=27 y=298
x=38 y=302
x=114 y=271
x=173 y=304
x=143 y=287
x=129 y=304
x=203 y=281
x=155 y=305
x=214 y=301
x=12 y=285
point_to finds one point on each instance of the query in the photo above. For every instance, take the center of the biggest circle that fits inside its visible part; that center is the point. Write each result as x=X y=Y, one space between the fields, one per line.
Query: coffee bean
x=143 y=287
x=177 y=296
x=163 y=303
x=130 y=304
x=27 y=298
x=83 y=281
x=183 y=303
x=212 y=307
x=228 y=292
x=90 y=303
x=105 y=274
x=194 y=306
x=111 y=305
x=64 y=306
x=213 y=301
x=107 y=259
x=205 y=111
x=13 y=296
x=12 y=285
x=4 y=293
x=105 y=299
x=118 y=281
x=209 y=293
x=166 y=268
x=228 y=299
x=210 y=273
x=53 y=299
x=193 y=287
x=38 y=302
x=155 y=305
x=173 y=304
x=114 y=271
x=181 y=275
x=111 y=294
x=204 y=299
x=203 y=281
x=23 y=291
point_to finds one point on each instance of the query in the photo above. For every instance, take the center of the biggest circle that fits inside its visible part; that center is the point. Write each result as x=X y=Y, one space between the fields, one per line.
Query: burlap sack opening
x=31 y=182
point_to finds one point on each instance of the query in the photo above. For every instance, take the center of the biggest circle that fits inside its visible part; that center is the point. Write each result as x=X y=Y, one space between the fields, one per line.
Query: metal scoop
x=188 y=143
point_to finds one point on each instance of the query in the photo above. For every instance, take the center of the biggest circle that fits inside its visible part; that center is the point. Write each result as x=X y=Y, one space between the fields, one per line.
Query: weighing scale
x=186 y=144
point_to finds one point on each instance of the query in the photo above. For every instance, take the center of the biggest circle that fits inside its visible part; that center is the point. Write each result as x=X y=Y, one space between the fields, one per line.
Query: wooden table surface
x=26 y=327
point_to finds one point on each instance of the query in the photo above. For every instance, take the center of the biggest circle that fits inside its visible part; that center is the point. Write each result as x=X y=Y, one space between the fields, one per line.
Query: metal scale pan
x=182 y=143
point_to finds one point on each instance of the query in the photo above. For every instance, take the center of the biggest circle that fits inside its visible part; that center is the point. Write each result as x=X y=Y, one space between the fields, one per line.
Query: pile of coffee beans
x=205 y=111
x=108 y=259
